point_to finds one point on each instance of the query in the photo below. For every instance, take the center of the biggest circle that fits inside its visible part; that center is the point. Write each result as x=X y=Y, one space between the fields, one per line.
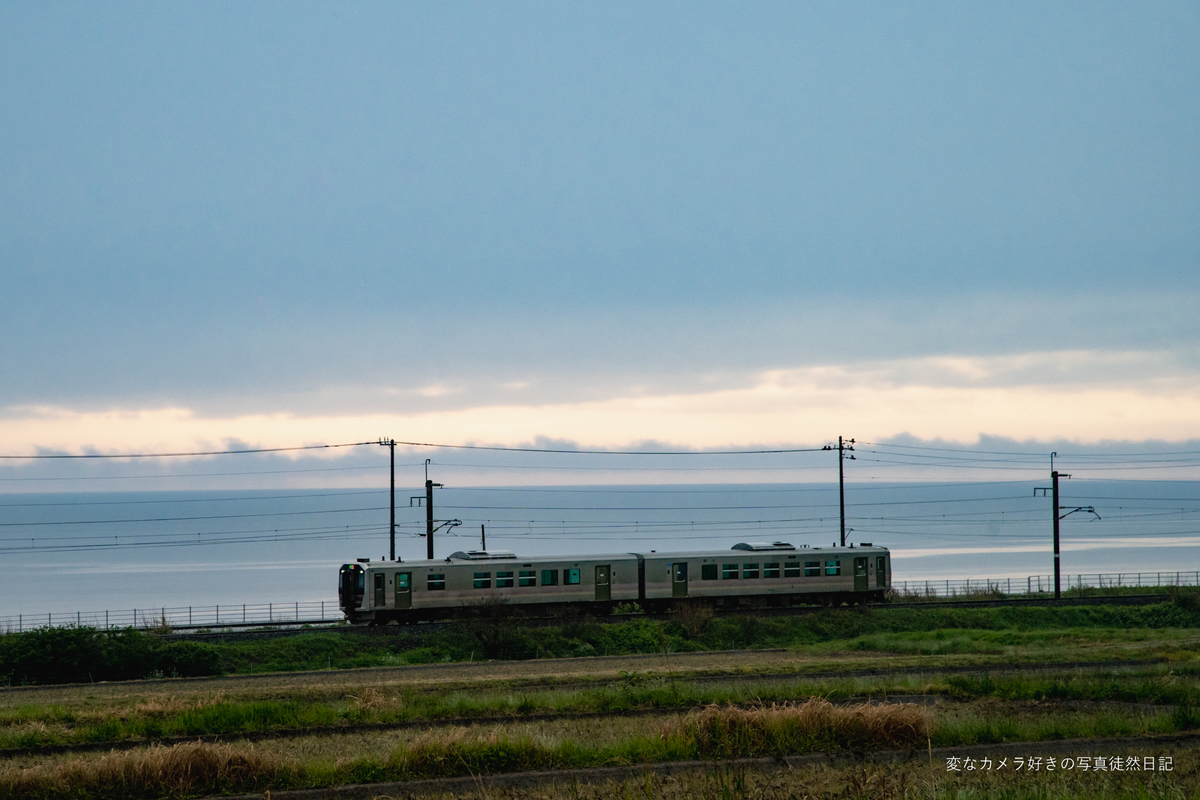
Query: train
x=748 y=574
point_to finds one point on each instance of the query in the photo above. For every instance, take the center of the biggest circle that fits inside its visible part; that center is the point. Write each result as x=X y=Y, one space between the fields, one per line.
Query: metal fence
x=1033 y=584
x=315 y=612
x=219 y=616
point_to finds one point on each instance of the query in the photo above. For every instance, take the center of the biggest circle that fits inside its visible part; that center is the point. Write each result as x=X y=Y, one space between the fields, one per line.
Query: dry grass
x=151 y=772
x=166 y=705
x=783 y=728
x=715 y=732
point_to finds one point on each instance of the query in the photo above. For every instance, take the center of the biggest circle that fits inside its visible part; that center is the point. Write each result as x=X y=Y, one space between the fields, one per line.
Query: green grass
x=29 y=726
x=949 y=631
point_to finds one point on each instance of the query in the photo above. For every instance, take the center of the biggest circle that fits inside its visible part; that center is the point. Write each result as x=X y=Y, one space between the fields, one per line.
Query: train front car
x=770 y=574
x=467 y=581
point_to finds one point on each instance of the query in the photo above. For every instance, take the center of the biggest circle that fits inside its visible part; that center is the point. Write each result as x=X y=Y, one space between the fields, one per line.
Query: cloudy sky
x=702 y=224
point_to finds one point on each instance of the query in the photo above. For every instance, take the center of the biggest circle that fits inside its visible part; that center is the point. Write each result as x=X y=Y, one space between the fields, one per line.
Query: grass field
x=859 y=683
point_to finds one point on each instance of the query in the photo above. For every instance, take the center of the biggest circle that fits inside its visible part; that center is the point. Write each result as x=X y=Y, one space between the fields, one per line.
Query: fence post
x=270 y=613
x=106 y=619
x=297 y=611
x=189 y=616
x=218 y=613
x=20 y=626
x=243 y=613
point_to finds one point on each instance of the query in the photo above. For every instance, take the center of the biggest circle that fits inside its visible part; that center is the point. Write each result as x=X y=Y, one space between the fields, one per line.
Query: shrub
x=693 y=616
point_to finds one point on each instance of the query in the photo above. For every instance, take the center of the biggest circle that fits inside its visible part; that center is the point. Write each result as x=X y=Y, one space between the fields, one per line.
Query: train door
x=603 y=585
x=403 y=590
x=860 y=574
x=880 y=572
x=380 y=596
x=679 y=580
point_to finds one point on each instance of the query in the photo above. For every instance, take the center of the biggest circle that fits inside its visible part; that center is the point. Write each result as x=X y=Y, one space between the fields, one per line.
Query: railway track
x=259 y=631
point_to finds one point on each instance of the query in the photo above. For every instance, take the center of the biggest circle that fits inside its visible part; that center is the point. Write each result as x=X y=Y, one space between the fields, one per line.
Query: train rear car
x=770 y=573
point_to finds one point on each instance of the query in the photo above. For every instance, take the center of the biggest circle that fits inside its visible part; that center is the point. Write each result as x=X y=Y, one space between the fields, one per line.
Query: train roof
x=739 y=550
x=745 y=549
x=499 y=558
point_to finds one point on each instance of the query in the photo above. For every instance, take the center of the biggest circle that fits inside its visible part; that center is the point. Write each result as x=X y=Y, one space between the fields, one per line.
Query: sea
x=91 y=551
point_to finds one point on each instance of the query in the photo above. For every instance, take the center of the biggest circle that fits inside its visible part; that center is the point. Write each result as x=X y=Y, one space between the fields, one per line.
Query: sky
x=705 y=225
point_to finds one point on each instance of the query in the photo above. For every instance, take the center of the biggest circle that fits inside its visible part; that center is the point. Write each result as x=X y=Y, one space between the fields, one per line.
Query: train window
x=708 y=572
x=833 y=568
x=436 y=582
x=570 y=577
x=549 y=577
x=749 y=571
x=527 y=578
x=771 y=570
x=483 y=580
x=729 y=572
x=812 y=569
x=504 y=580
x=791 y=570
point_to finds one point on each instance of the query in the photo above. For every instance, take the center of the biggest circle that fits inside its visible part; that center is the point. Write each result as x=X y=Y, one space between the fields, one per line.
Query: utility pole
x=1058 y=516
x=429 y=512
x=482 y=537
x=1057 y=520
x=843 y=447
x=391 y=445
x=428 y=499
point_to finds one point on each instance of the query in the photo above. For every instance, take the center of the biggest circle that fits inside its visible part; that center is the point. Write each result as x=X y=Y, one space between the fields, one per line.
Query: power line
x=203 y=474
x=616 y=452
x=176 y=455
x=187 y=519
x=190 y=500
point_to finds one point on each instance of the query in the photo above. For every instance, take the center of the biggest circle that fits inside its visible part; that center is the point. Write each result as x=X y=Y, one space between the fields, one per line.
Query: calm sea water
x=95 y=551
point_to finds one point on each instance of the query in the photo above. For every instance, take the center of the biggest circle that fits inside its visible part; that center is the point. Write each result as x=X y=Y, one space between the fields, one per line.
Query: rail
x=233 y=615
x=321 y=612
x=1039 y=584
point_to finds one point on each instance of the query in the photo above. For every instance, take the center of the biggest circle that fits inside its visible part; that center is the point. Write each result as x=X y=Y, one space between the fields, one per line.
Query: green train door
x=603 y=584
x=679 y=580
x=860 y=574
x=880 y=572
x=380 y=596
x=403 y=590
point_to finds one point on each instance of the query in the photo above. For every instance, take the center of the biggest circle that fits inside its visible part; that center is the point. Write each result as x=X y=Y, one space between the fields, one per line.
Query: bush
x=81 y=655
x=693 y=616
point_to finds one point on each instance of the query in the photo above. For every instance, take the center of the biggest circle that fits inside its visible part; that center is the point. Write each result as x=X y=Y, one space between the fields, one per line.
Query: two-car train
x=748 y=574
